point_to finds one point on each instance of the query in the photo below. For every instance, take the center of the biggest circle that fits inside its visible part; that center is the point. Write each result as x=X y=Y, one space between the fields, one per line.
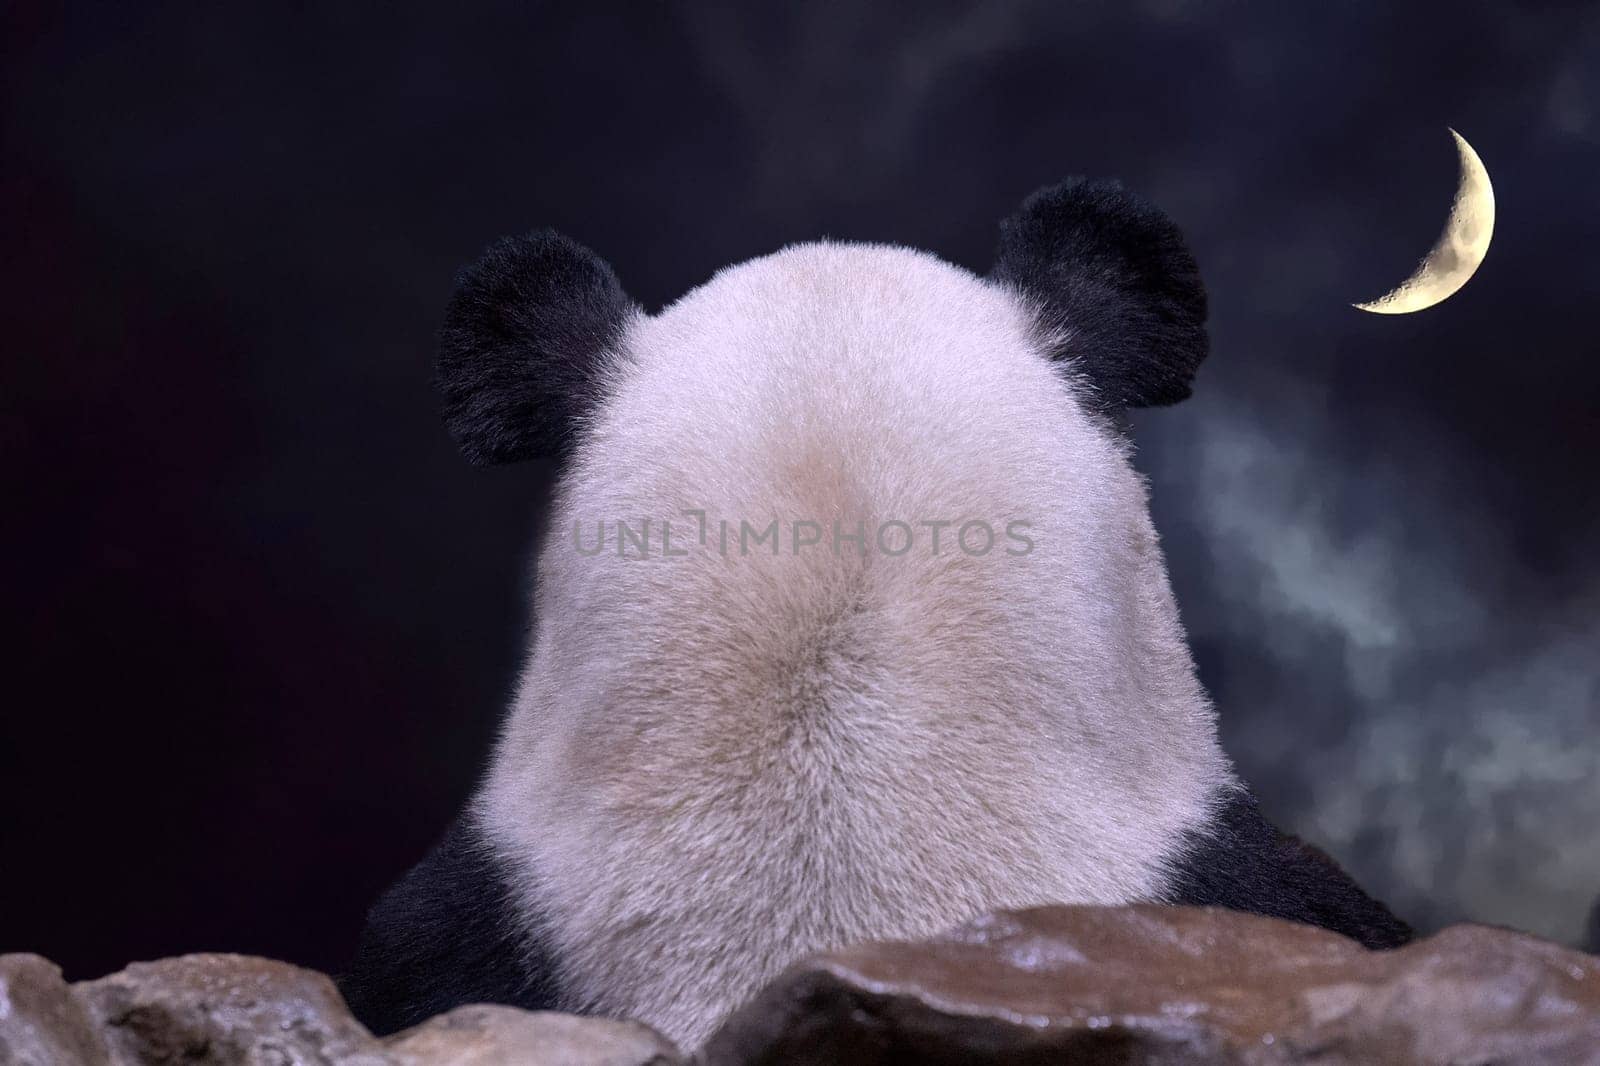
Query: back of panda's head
x=536 y=325
x=879 y=391
x=925 y=733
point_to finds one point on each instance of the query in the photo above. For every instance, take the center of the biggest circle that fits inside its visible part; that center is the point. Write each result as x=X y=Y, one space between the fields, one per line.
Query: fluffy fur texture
x=719 y=763
x=524 y=341
x=1116 y=289
x=719 y=759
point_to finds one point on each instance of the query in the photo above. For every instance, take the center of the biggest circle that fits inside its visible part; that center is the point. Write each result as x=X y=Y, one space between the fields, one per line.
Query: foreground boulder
x=490 y=1036
x=225 y=1009
x=41 y=1022
x=234 y=1010
x=1149 y=984
x=1128 y=985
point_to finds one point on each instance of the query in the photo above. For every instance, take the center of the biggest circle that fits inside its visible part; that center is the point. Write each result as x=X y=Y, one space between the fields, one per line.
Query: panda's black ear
x=524 y=343
x=1116 y=288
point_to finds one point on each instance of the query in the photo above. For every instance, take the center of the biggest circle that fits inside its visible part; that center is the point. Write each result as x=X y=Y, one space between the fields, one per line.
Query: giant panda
x=952 y=680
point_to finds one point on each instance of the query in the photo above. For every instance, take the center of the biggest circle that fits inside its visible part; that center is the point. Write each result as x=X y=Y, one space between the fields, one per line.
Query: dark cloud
x=262 y=619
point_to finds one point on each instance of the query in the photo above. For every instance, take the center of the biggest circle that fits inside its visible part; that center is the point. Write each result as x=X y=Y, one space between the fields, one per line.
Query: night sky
x=259 y=619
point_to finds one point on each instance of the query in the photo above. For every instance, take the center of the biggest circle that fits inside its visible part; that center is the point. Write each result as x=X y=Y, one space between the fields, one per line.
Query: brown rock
x=41 y=1022
x=489 y=1036
x=220 y=1010
x=1153 y=984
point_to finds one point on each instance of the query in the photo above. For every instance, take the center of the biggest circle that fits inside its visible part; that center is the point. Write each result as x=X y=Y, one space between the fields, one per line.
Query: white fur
x=717 y=764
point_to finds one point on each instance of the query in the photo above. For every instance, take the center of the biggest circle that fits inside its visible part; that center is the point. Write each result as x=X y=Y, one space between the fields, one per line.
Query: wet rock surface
x=1150 y=984
x=1141 y=984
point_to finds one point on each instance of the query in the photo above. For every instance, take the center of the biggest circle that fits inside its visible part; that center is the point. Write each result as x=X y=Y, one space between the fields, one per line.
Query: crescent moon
x=1460 y=248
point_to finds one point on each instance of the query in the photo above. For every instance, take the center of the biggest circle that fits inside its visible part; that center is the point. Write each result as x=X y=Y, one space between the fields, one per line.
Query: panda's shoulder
x=445 y=934
x=1240 y=861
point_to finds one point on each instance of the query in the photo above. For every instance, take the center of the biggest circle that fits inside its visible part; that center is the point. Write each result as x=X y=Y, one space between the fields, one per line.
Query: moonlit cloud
x=1441 y=743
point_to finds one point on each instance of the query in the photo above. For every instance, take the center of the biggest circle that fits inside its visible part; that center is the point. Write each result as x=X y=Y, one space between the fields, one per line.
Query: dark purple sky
x=259 y=619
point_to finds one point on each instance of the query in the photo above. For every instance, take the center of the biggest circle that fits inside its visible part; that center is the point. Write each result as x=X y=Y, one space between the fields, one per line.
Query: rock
x=41 y=1022
x=1149 y=984
x=1144 y=984
x=233 y=1010
x=221 y=1010
x=489 y=1036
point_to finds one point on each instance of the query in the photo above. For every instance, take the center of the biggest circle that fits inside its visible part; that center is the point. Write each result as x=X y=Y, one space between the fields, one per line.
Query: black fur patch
x=1245 y=864
x=443 y=936
x=1114 y=274
x=523 y=341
